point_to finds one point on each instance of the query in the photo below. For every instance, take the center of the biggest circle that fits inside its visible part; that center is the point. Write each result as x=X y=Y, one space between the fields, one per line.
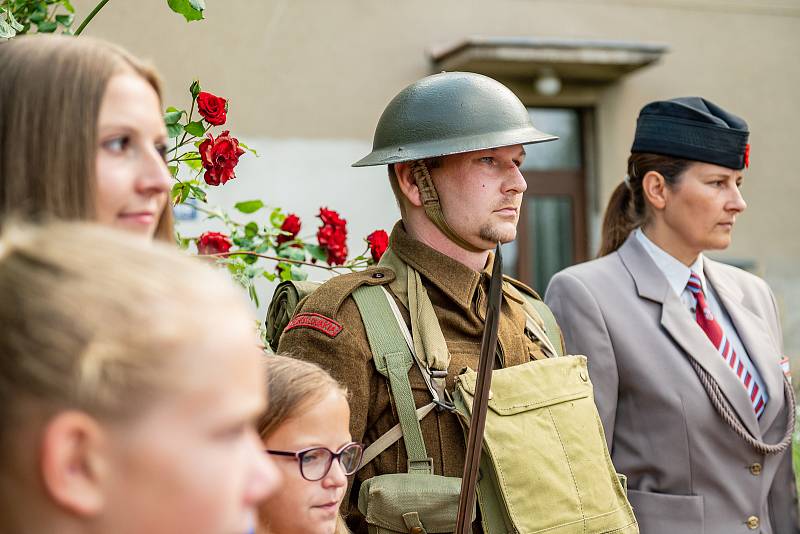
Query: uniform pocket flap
x=532 y=385
x=385 y=499
x=664 y=513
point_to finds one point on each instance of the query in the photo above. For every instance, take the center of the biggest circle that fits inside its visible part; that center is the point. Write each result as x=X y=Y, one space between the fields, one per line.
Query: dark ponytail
x=627 y=208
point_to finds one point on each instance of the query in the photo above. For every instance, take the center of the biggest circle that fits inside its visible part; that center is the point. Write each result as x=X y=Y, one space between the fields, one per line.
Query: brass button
x=755 y=469
x=416 y=530
x=752 y=522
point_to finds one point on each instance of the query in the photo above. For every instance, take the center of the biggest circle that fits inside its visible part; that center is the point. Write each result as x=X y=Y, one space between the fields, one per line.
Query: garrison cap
x=695 y=129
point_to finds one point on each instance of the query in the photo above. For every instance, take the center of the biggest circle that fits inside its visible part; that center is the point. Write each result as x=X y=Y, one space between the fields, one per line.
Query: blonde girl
x=126 y=400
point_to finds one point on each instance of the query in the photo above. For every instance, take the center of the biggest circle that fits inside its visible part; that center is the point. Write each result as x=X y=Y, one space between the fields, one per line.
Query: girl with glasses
x=306 y=431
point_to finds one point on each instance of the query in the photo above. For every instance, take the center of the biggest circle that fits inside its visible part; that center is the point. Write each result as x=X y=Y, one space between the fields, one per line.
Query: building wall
x=307 y=80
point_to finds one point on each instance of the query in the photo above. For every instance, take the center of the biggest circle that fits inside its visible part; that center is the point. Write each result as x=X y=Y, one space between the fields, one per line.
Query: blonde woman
x=82 y=135
x=305 y=429
x=127 y=401
x=684 y=352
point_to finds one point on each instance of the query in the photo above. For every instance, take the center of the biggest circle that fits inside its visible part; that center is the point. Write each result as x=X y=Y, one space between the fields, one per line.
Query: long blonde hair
x=51 y=90
x=291 y=385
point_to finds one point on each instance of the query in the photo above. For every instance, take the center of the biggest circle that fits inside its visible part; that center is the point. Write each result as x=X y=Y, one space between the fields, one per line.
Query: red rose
x=213 y=243
x=213 y=108
x=332 y=236
x=219 y=157
x=291 y=224
x=378 y=242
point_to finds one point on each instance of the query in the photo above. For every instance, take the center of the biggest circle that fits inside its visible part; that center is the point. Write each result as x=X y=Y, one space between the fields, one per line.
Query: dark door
x=552 y=231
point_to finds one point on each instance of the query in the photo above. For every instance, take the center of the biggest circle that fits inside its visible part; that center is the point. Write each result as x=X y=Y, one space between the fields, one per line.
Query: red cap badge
x=747 y=155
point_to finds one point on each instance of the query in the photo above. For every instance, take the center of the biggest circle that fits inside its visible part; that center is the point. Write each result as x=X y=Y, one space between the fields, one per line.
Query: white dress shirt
x=677 y=274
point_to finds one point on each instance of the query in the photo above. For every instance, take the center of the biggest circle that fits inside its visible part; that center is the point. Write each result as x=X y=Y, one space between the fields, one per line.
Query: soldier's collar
x=453 y=278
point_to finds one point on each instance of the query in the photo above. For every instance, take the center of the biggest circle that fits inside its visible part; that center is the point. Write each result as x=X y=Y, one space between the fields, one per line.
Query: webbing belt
x=393 y=359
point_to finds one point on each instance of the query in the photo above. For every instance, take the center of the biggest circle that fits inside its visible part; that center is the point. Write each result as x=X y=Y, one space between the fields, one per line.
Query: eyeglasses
x=315 y=462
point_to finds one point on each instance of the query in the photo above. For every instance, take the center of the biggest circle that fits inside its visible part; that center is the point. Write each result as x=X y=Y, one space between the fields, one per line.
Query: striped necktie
x=723 y=345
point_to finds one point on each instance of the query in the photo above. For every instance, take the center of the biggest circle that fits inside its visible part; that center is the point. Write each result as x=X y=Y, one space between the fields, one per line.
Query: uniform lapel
x=754 y=333
x=678 y=322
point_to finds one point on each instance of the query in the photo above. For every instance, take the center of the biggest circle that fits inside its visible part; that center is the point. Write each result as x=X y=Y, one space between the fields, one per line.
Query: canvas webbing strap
x=393 y=359
x=391 y=437
x=551 y=327
x=433 y=208
x=549 y=332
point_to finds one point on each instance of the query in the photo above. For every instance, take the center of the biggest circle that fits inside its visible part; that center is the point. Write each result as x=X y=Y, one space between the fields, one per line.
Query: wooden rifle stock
x=480 y=400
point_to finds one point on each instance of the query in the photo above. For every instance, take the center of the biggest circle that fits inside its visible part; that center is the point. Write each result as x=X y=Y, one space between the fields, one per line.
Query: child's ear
x=72 y=462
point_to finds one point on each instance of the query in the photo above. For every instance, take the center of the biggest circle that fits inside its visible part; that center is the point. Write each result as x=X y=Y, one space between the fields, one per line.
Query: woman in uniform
x=685 y=353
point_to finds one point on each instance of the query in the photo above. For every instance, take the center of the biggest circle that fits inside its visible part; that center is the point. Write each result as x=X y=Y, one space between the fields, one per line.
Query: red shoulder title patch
x=318 y=322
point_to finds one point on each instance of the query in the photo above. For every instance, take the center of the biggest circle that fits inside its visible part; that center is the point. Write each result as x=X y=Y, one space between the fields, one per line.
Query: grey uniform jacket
x=688 y=472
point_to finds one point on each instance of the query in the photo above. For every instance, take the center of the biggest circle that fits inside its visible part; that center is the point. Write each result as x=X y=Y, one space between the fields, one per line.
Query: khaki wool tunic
x=458 y=295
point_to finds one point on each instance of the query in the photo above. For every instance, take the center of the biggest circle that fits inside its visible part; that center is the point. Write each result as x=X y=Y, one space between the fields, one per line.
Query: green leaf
x=272 y=276
x=13 y=22
x=244 y=146
x=6 y=31
x=39 y=15
x=173 y=170
x=249 y=206
x=68 y=6
x=251 y=290
x=251 y=230
x=194 y=89
x=317 y=252
x=190 y=9
x=293 y=253
x=195 y=128
x=47 y=26
x=65 y=20
x=276 y=218
x=298 y=273
x=198 y=193
x=172 y=116
x=179 y=193
x=286 y=271
x=250 y=259
x=174 y=130
x=242 y=242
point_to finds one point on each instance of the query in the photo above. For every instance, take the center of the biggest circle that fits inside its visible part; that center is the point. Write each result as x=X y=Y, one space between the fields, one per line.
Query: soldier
x=453 y=143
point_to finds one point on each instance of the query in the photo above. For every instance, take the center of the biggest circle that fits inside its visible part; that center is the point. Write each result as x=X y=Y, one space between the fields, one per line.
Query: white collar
x=676 y=273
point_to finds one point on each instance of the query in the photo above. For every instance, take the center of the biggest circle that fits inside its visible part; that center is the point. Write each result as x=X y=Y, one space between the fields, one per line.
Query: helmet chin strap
x=433 y=209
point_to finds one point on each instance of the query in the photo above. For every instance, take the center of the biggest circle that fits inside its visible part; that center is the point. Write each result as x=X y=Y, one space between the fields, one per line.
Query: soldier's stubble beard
x=493 y=234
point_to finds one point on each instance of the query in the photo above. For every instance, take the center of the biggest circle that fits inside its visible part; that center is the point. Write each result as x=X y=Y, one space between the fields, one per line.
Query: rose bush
x=258 y=241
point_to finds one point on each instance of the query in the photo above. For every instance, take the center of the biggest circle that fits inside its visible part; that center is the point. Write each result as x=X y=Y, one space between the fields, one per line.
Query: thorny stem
x=287 y=260
x=100 y=5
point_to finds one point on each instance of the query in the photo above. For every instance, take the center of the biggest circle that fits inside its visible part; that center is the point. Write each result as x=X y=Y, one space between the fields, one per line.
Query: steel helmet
x=450 y=113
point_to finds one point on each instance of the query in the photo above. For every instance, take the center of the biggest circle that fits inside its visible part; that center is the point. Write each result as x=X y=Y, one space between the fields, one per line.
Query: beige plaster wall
x=324 y=69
